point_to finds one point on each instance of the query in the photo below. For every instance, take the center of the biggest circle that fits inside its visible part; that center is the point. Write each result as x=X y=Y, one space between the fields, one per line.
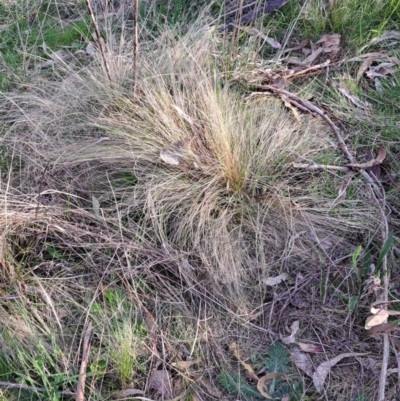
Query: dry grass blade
x=135 y=45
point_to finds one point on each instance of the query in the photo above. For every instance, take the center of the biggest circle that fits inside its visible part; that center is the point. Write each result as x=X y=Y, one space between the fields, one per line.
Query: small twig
x=315 y=166
x=135 y=45
x=34 y=389
x=98 y=39
x=80 y=388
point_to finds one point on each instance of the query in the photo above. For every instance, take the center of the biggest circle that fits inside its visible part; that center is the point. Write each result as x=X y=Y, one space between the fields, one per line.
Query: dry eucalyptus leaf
x=378 y=318
x=250 y=373
x=292 y=108
x=302 y=361
x=312 y=348
x=272 y=42
x=184 y=365
x=380 y=70
x=364 y=67
x=323 y=370
x=352 y=97
x=90 y=50
x=292 y=338
x=261 y=383
x=160 y=381
x=173 y=154
x=271 y=281
x=386 y=36
x=330 y=43
x=315 y=53
x=96 y=206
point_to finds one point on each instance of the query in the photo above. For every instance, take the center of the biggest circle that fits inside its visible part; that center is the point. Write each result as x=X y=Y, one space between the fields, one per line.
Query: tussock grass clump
x=183 y=198
x=229 y=190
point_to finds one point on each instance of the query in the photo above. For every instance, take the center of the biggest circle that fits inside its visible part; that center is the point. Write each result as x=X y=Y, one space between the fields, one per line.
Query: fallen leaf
x=292 y=108
x=302 y=361
x=160 y=381
x=364 y=67
x=309 y=60
x=271 y=281
x=380 y=70
x=385 y=36
x=272 y=42
x=352 y=97
x=384 y=328
x=173 y=154
x=312 y=348
x=96 y=206
x=90 y=49
x=247 y=367
x=285 y=397
x=184 y=365
x=323 y=370
x=377 y=319
x=261 y=383
x=330 y=43
x=294 y=329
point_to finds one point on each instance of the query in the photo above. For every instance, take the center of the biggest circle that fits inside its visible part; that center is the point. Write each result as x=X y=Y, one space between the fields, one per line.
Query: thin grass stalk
x=135 y=45
x=98 y=39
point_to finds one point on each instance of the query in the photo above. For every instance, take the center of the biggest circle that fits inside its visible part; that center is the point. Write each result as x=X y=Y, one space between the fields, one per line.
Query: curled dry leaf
x=261 y=383
x=294 y=329
x=323 y=370
x=302 y=361
x=271 y=281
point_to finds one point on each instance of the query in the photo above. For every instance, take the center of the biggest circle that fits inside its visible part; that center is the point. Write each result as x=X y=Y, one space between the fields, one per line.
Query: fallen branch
x=80 y=388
